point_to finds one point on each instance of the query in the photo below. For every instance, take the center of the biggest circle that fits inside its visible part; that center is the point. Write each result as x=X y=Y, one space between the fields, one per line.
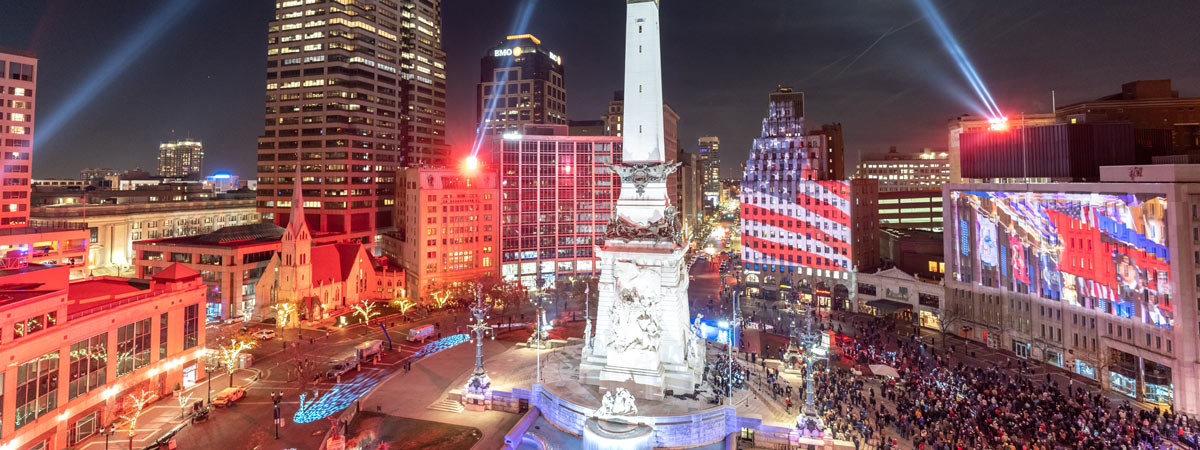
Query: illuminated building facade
x=907 y=172
x=180 y=158
x=18 y=80
x=1095 y=278
x=354 y=90
x=520 y=82
x=447 y=228
x=115 y=227
x=799 y=230
x=78 y=351
x=556 y=200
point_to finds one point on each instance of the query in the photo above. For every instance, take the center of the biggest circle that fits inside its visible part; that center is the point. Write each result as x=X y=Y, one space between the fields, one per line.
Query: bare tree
x=950 y=316
x=301 y=367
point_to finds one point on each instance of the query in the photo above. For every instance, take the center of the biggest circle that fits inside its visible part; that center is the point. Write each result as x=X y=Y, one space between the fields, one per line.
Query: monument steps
x=446 y=405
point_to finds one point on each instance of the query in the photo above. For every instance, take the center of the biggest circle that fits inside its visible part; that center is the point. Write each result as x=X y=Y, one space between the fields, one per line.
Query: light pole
x=480 y=383
x=277 y=397
x=110 y=430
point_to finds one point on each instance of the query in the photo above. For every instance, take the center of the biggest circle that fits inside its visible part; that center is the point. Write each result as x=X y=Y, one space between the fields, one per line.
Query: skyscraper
x=180 y=158
x=799 y=229
x=708 y=154
x=354 y=90
x=18 y=73
x=520 y=82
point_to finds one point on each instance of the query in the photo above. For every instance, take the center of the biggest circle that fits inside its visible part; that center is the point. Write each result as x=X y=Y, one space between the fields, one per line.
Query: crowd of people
x=936 y=404
x=718 y=373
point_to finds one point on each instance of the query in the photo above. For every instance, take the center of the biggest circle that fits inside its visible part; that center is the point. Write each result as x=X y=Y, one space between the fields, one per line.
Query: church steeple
x=296 y=223
x=295 y=251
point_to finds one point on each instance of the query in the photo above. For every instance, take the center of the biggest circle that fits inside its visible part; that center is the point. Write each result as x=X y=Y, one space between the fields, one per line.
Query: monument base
x=643 y=341
x=602 y=434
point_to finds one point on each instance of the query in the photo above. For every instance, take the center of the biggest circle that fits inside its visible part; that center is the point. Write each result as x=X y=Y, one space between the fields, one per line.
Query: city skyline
x=883 y=74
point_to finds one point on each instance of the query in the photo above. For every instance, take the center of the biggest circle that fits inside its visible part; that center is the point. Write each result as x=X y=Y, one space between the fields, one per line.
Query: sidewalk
x=164 y=413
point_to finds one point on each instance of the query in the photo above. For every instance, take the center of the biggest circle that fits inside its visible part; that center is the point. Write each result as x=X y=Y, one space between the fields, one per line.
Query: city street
x=253 y=415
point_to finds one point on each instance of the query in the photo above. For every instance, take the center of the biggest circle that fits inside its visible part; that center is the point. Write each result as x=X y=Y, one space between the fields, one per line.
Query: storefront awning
x=889 y=306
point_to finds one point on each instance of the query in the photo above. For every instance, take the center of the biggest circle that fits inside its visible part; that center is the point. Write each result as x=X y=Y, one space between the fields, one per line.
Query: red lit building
x=801 y=230
x=556 y=200
x=76 y=352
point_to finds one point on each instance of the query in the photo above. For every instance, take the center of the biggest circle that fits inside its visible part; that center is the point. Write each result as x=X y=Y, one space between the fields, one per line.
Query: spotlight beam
x=520 y=23
x=115 y=64
x=960 y=57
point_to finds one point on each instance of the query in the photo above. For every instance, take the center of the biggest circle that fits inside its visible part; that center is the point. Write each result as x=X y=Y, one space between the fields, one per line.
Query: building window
x=191 y=326
x=133 y=346
x=37 y=388
x=89 y=361
x=162 y=336
x=34 y=324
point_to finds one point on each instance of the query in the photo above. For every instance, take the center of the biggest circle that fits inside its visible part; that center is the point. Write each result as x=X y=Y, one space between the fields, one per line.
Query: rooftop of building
x=231 y=237
x=1151 y=173
x=17 y=52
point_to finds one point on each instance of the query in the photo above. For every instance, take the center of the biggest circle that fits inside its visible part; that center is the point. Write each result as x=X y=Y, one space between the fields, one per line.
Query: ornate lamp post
x=478 y=391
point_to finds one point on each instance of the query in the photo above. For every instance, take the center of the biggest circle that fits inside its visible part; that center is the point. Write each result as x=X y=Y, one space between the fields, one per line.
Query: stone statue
x=587 y=335
x=621 y=404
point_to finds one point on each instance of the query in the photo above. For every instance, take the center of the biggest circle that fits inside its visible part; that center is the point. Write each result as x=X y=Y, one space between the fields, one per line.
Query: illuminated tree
x=283 y=313
x=183 y=401
x=366 y=309
x=441 y=298
x=404 y=305
x=229 y=355
x=139 y=402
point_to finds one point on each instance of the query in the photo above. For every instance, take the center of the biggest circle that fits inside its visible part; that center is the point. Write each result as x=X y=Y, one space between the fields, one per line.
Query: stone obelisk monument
x=643 y=340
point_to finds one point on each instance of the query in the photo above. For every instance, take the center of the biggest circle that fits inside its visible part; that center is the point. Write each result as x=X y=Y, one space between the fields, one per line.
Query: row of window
x=37 y=379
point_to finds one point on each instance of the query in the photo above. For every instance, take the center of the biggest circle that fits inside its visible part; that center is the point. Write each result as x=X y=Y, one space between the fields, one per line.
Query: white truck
x=420 y=334
x=367 y=351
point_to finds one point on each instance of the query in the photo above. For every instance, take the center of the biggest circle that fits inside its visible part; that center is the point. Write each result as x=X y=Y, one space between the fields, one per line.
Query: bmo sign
x=515 y=51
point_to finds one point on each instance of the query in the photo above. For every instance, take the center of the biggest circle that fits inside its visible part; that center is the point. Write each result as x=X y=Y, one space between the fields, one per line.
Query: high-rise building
x=18 y=71
x=21 y=244
x=520 y=82
x=708 y=155
x=557 y=195
x=690 y=192
x=1094 y=278
x=447 y=228
x=826 y=143
x=799 y=230
x=180 y=158
x=906 y=171
x=354 y=90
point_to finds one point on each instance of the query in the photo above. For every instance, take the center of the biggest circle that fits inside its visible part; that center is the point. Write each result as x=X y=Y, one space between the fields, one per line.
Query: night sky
x=197 y=67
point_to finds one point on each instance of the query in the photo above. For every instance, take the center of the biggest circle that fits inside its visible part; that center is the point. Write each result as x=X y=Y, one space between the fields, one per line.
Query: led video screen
x=1106 y=252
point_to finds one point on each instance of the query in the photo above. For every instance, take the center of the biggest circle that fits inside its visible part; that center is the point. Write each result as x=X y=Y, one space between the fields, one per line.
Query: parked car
x=229 y=395
x=341 y=368
x=264 y=335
